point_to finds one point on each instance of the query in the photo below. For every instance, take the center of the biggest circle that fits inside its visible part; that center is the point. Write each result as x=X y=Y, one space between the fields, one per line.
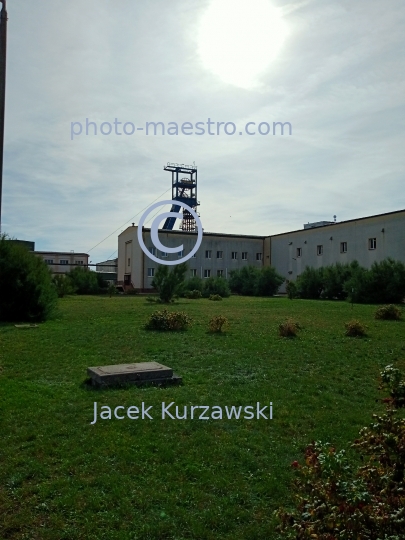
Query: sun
x=238 y=39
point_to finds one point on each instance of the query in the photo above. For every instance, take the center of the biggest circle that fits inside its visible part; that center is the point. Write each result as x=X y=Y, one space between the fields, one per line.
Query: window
x=164 y=254
x=129 y=262
x=244 y=255
x=153 y=250
x=78 y=262
x=319 y=250
x=151 y=272
x=208 y=254
x=194 y=256
x=220 y=273
x=193 y=272
x=234 y=255
x=258 y=256
x=49 y=261
x=219 y=254
x=372 y=243
x=180 y=254
x=343 y=247
x=299 y=252
x=63 y=261
x=207 y=273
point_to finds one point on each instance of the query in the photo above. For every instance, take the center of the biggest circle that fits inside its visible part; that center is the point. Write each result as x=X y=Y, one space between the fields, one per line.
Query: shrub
x=388 y=313
x=288 y=328
x=216 y=285
x=291 y=289
x=168 y=321
x=268 y=282
x=63 y=285
x=253 y=281
x=217 y=323
x=215 y=297
x=84 y=281
x=26 y=288
x=169 y=283
x=195 y=283
x=111 y=290
x=244 y=281
x=335 y=499
x=334 y=278
x=355 y=328
x=310 y=283
x=193 y=295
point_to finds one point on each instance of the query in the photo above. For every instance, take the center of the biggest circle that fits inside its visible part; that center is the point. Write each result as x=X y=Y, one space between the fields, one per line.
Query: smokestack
x=3 y=54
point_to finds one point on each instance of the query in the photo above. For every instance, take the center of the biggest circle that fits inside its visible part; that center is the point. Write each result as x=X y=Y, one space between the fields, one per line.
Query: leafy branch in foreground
x=335 y=500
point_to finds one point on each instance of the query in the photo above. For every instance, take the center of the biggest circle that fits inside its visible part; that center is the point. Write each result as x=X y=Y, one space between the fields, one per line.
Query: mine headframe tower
x=184 y=189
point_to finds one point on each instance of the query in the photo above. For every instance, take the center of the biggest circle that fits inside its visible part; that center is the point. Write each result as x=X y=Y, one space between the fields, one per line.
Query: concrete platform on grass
x=138 y=374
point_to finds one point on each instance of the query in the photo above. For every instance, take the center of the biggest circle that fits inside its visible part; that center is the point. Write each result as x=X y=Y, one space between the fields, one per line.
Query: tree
x=63 y=285
x=310 y=283
x=169 y=283
x=26 y=288
x=84 y=280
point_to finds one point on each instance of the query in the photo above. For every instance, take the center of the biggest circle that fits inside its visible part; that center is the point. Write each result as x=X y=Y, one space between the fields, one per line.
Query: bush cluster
x=217 y=323
x=193 y=295
x=207 y=287
x=252 y=281
x=383 y=282
x=335 y=499
x=355 y=328
x=388 y=313
x=26 y=288
x=168 y=321
x=215 y=297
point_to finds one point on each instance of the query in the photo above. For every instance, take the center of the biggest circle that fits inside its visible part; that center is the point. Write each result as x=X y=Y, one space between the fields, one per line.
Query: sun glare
x=238 y=39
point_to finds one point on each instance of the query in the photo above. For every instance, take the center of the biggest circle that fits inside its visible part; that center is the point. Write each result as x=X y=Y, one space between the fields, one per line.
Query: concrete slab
x=138 y=373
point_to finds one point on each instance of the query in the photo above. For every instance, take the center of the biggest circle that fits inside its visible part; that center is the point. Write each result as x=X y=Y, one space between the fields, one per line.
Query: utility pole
x=3 y=54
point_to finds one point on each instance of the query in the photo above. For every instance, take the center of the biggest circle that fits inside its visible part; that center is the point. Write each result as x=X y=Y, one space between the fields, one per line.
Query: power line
x=129 y=220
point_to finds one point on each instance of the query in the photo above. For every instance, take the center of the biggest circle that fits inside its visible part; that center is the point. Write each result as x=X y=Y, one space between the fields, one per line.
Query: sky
x=333 y=70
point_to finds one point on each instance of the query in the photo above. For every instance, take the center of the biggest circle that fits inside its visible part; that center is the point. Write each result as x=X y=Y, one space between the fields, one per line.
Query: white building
x=61 y=262
x=366 y=240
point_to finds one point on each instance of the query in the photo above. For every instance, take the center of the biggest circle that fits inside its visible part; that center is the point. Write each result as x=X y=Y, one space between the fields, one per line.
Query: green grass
x=62 y=478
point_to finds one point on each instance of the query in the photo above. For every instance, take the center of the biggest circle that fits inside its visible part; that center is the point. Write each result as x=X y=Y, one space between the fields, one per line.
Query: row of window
x=207 y=273
x=208 y=254
x=61 y=261
x=372 y=244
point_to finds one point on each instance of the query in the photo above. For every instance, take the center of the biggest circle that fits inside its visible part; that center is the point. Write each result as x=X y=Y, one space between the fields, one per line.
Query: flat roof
x=333 y=224
x=60 y=253
x=210 y=234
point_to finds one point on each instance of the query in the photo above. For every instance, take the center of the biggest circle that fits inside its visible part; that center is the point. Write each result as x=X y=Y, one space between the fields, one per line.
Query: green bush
x=215 y=297
x=168 y=321
x=334 y=278
x=26 y=288
x=63 y=285
x=169 y=283
x=291 y=289
x=310 y=283
x=268 y=282
x=388 y=313
x=252 y=281
x=193 y=295
x=355 y=328
x=216 y=285
x=217 y=323
x=195 y=283
x=84 y=281
x=335 y=499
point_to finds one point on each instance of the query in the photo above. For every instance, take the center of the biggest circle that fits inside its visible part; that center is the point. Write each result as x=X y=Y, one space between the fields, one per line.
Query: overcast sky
x=334 y=70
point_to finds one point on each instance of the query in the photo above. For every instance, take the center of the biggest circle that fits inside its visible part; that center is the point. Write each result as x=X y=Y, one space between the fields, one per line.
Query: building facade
x=367 y=240
x=61 y=262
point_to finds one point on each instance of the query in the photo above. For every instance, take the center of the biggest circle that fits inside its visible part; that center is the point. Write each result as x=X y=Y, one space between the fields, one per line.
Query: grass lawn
x=63 y=478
